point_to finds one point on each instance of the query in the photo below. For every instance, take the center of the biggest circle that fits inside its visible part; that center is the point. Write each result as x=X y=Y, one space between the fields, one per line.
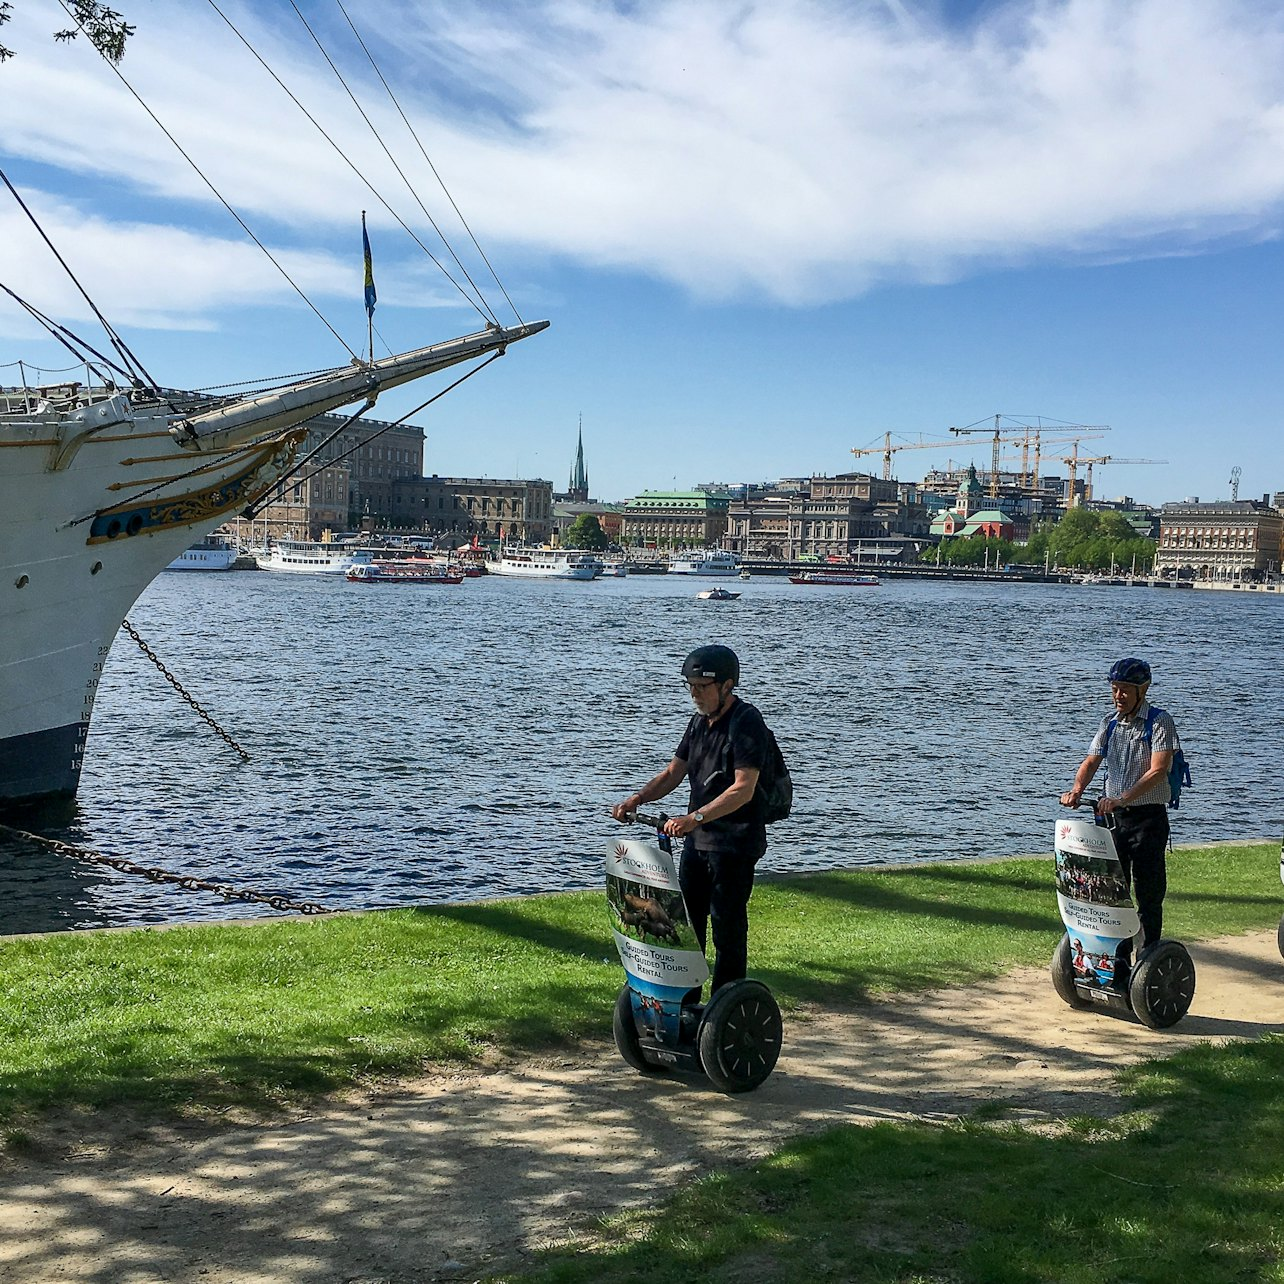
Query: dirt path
x=454 y=1176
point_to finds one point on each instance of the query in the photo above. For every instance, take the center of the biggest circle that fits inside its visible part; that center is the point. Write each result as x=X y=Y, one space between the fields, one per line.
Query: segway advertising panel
x=656 y=943
x=1092 y=895
x=659 y=1021
x=1093 y=964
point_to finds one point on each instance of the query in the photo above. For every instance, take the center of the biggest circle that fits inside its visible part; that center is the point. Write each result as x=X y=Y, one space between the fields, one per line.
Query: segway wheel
x=626 y=1035
x=1063 y=976
x=1162 y=985
x=739 y=1036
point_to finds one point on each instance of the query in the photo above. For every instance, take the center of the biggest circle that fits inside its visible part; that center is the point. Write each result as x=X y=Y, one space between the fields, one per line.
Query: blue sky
x=765 y=233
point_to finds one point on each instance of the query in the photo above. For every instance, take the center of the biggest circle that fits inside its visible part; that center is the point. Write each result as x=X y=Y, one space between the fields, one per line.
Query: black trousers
x=1141 y=839
x=716 y=887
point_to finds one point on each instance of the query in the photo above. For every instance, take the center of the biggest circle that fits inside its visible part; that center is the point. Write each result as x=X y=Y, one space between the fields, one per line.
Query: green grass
x=1189 y=1186
x=259 y=1013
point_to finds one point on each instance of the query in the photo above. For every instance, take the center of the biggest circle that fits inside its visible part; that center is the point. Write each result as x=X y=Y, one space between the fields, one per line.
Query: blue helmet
x=1130 y=669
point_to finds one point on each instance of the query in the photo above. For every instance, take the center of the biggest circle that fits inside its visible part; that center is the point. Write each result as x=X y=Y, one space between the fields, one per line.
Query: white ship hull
x=544 y=564
x=213 y=554
x=307 y=559
x=97 y=496
x=706 y=564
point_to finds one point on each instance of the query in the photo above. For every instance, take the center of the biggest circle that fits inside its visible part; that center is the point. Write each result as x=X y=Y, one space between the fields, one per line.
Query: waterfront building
x=352 y=475
x=566 y=513
x=1241 y=539
x=517 y=510
x=854 y=516
x=674 y=519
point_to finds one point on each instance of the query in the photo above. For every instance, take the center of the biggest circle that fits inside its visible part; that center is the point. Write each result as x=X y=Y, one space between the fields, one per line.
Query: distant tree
x=107 y=30
x=585 y=532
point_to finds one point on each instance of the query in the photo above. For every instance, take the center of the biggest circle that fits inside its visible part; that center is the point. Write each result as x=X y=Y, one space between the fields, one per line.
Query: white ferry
x=306 y=558
x=545 y=564
x=213 y=553
x=710 y=562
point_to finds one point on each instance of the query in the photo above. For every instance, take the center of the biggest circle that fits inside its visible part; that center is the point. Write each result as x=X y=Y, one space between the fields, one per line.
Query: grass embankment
x=1188 y=1186
x=251 y=1014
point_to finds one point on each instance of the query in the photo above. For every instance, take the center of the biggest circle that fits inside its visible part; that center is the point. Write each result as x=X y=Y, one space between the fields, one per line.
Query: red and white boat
x=835 y=577
x=418 y=571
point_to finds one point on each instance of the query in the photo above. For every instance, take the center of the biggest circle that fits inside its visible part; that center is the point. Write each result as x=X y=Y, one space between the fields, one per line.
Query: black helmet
x=1130 y=669
x=716 y=662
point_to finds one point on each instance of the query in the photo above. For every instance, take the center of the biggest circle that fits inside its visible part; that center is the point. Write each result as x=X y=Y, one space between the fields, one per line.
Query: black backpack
x=775 y=785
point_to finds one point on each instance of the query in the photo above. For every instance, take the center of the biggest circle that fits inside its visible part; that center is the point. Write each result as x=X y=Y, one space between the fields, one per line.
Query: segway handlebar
x=656 y=821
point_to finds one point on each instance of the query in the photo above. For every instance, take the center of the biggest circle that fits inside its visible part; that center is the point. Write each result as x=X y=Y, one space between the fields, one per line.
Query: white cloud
x=799 y=152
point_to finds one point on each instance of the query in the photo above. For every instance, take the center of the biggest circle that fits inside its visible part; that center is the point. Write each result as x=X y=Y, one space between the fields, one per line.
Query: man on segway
x=1136 y=743
x=722 y=752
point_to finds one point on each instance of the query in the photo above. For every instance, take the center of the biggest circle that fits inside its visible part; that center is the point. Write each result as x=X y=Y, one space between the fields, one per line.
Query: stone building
x=674 y=519
x=516 y=510
x=854 y=516
x=352 y=476
x=1240 y=539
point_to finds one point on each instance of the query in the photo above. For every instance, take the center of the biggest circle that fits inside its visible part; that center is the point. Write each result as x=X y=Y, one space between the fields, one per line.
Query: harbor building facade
x=1241 y=539
x=854 y=516
x=674 y=519
x=516 y=510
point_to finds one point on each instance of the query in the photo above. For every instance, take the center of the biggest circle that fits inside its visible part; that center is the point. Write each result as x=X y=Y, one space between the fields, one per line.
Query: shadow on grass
x=1159 y=1198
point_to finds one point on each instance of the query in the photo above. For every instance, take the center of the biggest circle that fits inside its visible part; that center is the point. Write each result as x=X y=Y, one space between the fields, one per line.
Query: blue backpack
x=1178 y=771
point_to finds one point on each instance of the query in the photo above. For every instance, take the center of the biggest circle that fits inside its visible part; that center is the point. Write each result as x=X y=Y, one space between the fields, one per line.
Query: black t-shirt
x=712 y=754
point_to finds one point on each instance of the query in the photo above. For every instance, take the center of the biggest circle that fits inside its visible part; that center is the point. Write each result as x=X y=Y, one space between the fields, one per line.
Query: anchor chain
x=185 y=881
x=178 y=686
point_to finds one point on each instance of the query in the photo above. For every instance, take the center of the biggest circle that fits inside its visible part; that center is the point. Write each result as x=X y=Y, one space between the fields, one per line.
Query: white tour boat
x=303 y=557
x=213 y=553
x=710 y=562
x=545 y=564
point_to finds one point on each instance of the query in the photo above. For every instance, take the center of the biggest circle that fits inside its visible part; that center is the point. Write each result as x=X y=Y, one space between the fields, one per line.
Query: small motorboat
x=717 y=595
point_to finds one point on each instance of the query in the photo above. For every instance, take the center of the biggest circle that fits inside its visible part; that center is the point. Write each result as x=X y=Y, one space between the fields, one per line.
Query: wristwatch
x=698 y=817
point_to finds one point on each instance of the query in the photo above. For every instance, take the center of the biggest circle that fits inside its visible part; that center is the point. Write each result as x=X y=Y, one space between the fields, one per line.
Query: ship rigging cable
x=422 y=151
x=482 y=310
x=245 y=227
x=140 y=378
x=393 y=161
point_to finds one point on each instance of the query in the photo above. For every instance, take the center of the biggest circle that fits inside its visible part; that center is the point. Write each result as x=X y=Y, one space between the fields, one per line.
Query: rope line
x=374 y=191
x=480 y=302
x=187 y=882
x=138 y=373
x=220 y=198
x=441 y=182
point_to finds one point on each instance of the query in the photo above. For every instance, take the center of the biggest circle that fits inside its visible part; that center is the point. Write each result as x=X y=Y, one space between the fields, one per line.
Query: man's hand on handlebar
x=1071 y=798
x=680 y=826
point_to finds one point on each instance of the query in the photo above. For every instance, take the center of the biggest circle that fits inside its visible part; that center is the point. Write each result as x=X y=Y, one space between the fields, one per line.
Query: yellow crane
x=1024 y=436
x=888 y=448
x=1097 y=459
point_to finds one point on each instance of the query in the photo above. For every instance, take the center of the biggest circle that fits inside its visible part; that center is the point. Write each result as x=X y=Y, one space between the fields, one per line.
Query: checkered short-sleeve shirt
x=1128 y=757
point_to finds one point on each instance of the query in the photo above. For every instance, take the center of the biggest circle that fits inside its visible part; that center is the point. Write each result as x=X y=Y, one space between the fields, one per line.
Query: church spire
x=579 y=486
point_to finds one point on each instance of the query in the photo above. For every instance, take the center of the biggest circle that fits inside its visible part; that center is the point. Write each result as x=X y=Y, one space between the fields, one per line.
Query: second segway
x=1092 y=965
x=660 y=1023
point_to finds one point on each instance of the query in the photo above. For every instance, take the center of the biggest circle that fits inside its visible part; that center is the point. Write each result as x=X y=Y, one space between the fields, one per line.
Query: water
x=418 y=744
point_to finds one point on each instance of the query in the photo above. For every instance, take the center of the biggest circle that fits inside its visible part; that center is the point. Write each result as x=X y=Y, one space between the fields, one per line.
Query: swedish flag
x=370 y=285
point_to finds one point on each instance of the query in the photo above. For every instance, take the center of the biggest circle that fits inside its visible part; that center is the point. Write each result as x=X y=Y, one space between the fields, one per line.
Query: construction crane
x=887 y=449
x=1073 y=461
x=1236 y=472
x=1081 y=430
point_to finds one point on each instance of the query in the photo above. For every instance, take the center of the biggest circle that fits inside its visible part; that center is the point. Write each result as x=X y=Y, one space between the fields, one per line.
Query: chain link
x=185 y=881
x=178 y=686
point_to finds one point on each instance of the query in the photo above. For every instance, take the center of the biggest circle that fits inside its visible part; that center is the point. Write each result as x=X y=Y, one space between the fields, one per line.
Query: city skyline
x=934 y=213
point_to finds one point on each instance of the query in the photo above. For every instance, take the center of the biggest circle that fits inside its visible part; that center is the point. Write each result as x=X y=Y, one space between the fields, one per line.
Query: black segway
x=659 y=1023
x=1092 y=965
